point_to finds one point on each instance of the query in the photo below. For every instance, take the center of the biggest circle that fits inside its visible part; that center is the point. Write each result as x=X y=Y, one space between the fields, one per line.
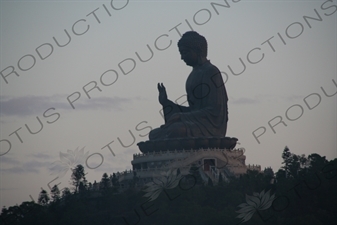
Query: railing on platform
x=238 y=151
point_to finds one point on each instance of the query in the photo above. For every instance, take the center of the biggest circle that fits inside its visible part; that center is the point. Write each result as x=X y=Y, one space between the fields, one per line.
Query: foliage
x=220 y=182
x=78 y=178
x=304 y=191
x=55 y=193
x=43 y=197
x=105 y=182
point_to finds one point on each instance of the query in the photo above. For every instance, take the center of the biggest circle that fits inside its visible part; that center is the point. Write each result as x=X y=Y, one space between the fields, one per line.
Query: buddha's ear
x=200 y=53
x=200 y=57
x=197 y=50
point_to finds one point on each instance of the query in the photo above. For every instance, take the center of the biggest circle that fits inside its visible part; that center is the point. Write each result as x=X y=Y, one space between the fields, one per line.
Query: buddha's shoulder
x=208 y=67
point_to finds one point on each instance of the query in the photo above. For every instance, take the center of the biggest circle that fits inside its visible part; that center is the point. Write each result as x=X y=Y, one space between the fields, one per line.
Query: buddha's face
x=189 y=56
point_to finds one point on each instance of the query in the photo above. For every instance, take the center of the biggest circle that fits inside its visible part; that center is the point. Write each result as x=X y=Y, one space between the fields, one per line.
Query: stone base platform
x=187 y=144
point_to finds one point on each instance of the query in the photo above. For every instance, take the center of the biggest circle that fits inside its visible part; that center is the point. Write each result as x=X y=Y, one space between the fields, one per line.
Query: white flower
x=68 y=160
x=254 y=203
x=168 y=180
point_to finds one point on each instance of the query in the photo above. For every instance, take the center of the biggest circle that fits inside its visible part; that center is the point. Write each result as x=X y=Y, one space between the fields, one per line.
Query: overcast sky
x=98 y=87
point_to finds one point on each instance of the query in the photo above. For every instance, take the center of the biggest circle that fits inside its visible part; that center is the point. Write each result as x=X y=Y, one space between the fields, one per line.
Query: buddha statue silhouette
x=207 y=114
x=203 y=123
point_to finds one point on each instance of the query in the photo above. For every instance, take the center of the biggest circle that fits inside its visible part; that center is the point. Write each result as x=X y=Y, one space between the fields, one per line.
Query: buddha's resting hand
x=162 y=93
x=174 y=118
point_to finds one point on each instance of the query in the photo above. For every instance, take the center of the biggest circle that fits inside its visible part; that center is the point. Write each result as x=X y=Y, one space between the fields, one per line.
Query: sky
x=88 y=72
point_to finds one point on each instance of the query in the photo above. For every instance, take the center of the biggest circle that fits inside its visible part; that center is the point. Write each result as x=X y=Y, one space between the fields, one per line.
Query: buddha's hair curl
x=195 y=41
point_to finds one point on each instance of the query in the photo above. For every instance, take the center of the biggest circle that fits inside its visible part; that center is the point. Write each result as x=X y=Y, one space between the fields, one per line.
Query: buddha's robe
x=207 y=113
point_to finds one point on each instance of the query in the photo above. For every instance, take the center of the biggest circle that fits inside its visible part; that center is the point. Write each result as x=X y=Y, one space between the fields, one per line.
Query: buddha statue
x=206 y=114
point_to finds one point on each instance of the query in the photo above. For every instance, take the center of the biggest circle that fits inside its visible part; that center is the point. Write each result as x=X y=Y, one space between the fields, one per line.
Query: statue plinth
x=187 y=144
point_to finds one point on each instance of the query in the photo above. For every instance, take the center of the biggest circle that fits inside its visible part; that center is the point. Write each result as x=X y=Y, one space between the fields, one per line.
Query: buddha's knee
x=177 y=130
x=154 y=134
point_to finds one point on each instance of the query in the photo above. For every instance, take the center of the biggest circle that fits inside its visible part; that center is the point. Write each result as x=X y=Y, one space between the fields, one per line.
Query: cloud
x=106 y=167
x=32 y=105
x=8 y=160
x=9 y=164
x=18 y=169
x=41 y=156
x=23 y=106
x=27 y=167
x=9 y=189
x=102 y=103
x=293 y=98
x=244 y=101
x=265 y=98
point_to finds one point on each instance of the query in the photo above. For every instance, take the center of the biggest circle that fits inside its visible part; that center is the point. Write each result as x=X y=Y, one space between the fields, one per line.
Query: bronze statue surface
x=205 y=119
x=207 y=114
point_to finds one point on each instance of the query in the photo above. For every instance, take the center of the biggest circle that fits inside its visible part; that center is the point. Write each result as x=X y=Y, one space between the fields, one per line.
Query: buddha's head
x=193 y=48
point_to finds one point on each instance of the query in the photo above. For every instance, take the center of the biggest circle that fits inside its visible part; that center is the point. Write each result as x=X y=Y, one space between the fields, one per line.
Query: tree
x=303 y=161
x=66 y=193
x=90 y=186
x=209 y=182
x=114 y=180
x=78 y=178
x=105 y=182
x=135 y=180
x=95 y=186
x=43 y=197
x=195 y=175
x=286 y=159
x=292 y=163
x=26 y=213
x=178 y=172
x=220 y=179
x=55 y=193
x=82 y=187
x=317 y=161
